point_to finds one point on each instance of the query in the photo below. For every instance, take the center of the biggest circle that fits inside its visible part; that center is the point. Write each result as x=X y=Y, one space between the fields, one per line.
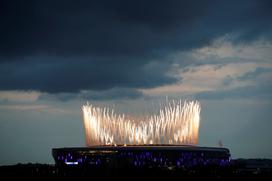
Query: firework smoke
x=176 y=123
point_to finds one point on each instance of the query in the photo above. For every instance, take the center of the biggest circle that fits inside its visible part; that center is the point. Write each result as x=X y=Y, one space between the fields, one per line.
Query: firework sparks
x=176 y=123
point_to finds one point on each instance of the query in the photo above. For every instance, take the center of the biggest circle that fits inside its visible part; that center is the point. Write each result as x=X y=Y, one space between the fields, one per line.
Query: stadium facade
x=144 y=156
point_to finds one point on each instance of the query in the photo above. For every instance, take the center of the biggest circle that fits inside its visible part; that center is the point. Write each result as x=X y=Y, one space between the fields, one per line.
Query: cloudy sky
x=56 y=55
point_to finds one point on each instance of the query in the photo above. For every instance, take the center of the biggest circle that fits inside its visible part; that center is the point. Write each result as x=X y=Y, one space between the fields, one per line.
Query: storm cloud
x=69 y=46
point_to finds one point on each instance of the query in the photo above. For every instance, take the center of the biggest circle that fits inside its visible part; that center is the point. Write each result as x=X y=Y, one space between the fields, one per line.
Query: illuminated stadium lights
x=151 y=156
x=71 y=163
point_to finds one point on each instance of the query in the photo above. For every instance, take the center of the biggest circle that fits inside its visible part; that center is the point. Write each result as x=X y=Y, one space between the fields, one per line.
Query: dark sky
x=54 y=55
x=68 y=46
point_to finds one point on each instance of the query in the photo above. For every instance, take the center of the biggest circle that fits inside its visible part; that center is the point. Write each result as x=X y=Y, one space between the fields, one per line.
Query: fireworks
x=176 y=123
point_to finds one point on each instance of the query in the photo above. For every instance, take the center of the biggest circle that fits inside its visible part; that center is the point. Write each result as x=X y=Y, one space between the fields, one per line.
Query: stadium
x=142 y=156
x=163 y=140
